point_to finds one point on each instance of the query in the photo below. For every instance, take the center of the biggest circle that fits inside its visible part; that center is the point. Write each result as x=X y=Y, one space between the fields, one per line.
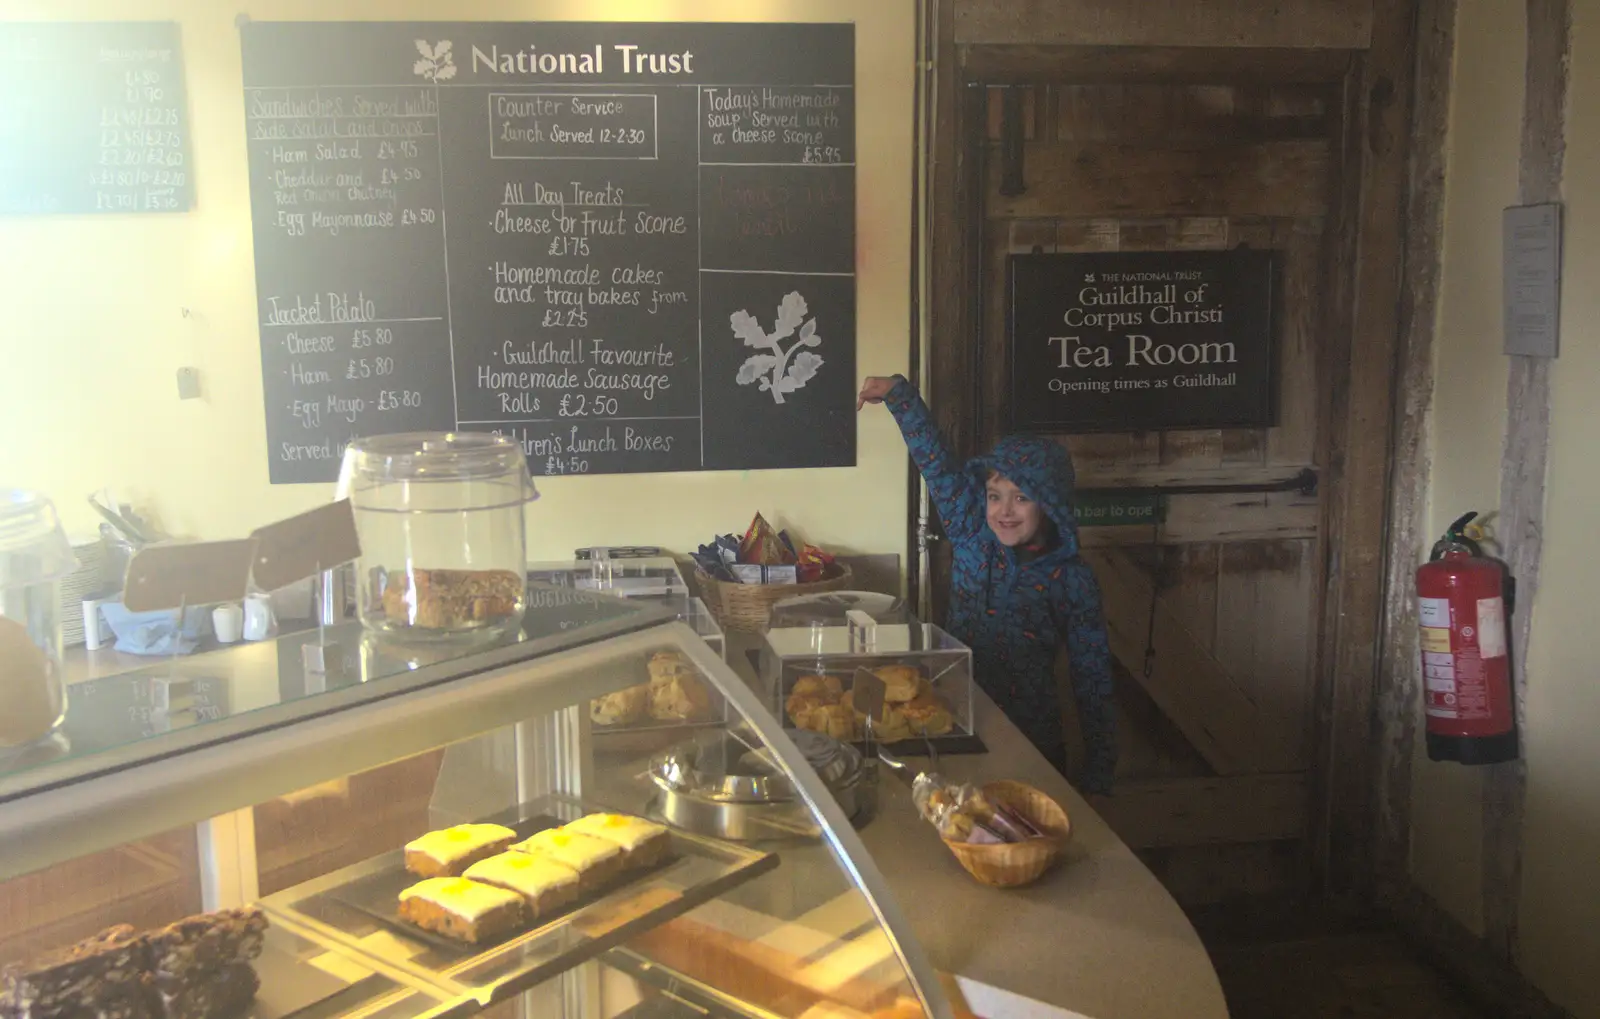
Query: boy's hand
x=874 y=390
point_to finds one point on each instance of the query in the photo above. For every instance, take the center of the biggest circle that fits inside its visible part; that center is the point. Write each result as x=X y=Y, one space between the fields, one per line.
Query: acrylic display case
x=811 y=654
x=235 y=778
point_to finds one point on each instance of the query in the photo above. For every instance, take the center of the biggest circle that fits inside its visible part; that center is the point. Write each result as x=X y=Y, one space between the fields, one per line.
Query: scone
x=828 y=688
x=462 y=909
x=449 y=852
x=891 y=727
x=544 y=884
x=801 y=707
x=621 y=708
x=597 y=861
x=928 y=715
x=838 y=721
x=667 y=665
x=682 y=697
x=900 y=682
x=643 y=843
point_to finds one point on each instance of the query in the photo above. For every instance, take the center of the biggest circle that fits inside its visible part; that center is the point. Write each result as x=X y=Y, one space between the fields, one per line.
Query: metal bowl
x=731 y=788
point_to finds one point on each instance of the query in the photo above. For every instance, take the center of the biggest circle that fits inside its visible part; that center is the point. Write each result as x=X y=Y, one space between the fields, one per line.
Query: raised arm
x=957 y=497
x=1083 y=629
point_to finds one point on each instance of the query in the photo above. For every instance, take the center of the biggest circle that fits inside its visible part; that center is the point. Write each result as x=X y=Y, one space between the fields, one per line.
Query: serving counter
x=300 y=790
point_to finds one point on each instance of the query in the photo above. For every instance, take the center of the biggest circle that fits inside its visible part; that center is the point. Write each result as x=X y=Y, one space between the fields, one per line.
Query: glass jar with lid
x=443 y=539
x=34 y=557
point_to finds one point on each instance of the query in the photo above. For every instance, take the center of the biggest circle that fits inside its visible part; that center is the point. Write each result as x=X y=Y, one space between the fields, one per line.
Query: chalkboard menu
x=94 y=118
x=1145 y=340
x=631 y=247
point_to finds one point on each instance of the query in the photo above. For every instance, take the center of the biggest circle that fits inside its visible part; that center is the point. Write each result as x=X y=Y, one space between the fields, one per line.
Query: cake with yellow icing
x=596 y=860
x=449 y=852
x=544 y=884
x=463 y=909
x=643 y=843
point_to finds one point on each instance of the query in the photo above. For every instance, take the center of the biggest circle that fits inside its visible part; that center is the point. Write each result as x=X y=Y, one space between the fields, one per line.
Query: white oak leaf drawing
x=748 y=329
x=437 y=63
x=779 y=371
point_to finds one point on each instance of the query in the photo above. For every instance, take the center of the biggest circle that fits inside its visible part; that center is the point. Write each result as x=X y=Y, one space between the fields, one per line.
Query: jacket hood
x=1043 y=470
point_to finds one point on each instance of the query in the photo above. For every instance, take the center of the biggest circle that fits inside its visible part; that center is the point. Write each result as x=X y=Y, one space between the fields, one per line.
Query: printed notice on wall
x=1132 y=341
x=630 y=247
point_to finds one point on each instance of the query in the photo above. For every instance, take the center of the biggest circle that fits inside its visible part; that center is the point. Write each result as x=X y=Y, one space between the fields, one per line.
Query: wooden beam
x=1311 y=24
x=1153 y=65
x=952 y=264
x=1520 y=527
x=1235 y=734
x=1067 y=179
x=1207 y=811
x=1399 y=687
x=1362 y=388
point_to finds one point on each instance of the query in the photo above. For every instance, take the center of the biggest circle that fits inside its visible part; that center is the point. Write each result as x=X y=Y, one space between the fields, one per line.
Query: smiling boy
x=1018 y=588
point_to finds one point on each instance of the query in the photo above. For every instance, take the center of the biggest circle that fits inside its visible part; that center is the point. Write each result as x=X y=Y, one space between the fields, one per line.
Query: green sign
x=1110 y=510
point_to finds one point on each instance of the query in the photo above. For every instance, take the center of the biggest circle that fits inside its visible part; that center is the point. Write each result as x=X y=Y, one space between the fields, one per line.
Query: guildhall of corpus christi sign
x=1141 y=340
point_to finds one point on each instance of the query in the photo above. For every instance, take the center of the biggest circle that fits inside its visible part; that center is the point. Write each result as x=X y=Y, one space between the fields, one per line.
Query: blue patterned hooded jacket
x=1015 y=613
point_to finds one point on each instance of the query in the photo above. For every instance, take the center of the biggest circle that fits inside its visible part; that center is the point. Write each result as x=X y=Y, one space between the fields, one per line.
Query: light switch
x=188 y=383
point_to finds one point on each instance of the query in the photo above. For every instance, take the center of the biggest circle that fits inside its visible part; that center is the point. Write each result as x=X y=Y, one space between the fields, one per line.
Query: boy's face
x=1014 y=518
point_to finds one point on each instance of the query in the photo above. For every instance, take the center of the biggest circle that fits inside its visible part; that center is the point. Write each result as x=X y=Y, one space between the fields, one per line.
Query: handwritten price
x=394 y=399
x=363 y=338
x=556 y=465
x=561 y=247
x=554 y=319
x=361 y=368
x=583 y=406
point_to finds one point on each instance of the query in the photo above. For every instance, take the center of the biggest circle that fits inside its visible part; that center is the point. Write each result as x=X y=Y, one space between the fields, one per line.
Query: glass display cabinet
x=239 y=779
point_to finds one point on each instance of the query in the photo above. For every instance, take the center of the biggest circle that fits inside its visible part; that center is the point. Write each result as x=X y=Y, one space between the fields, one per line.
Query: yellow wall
x=1560 y=919
x=94 y=328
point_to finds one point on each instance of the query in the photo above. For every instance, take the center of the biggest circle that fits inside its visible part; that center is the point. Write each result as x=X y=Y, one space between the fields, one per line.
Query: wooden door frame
x=1359 y=337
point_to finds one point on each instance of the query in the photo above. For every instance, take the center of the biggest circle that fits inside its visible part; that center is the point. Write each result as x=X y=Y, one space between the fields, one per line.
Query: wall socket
x=188 y=383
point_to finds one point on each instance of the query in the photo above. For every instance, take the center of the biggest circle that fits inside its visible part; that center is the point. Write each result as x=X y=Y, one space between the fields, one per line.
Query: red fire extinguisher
x=1466 y=668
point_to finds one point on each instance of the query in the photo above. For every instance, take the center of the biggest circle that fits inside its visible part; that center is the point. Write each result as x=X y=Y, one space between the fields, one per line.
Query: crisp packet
x=761 y=545
x=717 y=558
x=812 y=564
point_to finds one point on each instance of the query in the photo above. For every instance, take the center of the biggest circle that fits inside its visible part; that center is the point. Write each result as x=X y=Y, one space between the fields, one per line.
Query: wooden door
x=1215 y=741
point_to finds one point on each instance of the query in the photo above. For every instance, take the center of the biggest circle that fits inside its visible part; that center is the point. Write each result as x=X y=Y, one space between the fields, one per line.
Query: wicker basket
x=749 y=606
x=1014 y=864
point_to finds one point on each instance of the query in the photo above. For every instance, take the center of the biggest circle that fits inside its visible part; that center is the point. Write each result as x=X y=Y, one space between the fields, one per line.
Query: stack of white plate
x=87 y=581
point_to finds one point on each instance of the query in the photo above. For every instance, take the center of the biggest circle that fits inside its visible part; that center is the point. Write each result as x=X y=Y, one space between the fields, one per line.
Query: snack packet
x=812 y=563
x=761 y=545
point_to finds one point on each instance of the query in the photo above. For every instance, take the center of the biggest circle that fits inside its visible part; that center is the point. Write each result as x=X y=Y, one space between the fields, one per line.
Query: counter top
x=1098 y=935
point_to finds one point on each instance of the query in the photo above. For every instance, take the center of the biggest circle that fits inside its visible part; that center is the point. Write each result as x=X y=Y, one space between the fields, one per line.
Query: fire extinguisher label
x=1434 y=613
x=1436 y=640
x=1492 y=627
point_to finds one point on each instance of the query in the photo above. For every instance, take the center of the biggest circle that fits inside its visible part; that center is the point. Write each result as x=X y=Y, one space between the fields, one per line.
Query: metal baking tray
x=356 y=909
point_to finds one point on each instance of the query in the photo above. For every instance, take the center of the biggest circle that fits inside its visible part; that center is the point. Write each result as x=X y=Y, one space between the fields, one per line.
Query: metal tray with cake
x=358 y=908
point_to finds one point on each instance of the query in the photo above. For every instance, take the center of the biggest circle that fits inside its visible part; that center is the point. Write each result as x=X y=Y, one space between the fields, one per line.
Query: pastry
x=198 y=968
x=829 y=688
x=544 y=884
x=102 y=976
x=643 y=843
x=453 y=850
x=228 y=992
x=900 y=682
x=928 y=715
x=596 y=860
x=451 y=599
x=801 y=707
x=621 y=708
x=665 y=666
x=890 y=728
x=681 y=697
x=30 y=691
x=838 y=721
x=462 y=909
